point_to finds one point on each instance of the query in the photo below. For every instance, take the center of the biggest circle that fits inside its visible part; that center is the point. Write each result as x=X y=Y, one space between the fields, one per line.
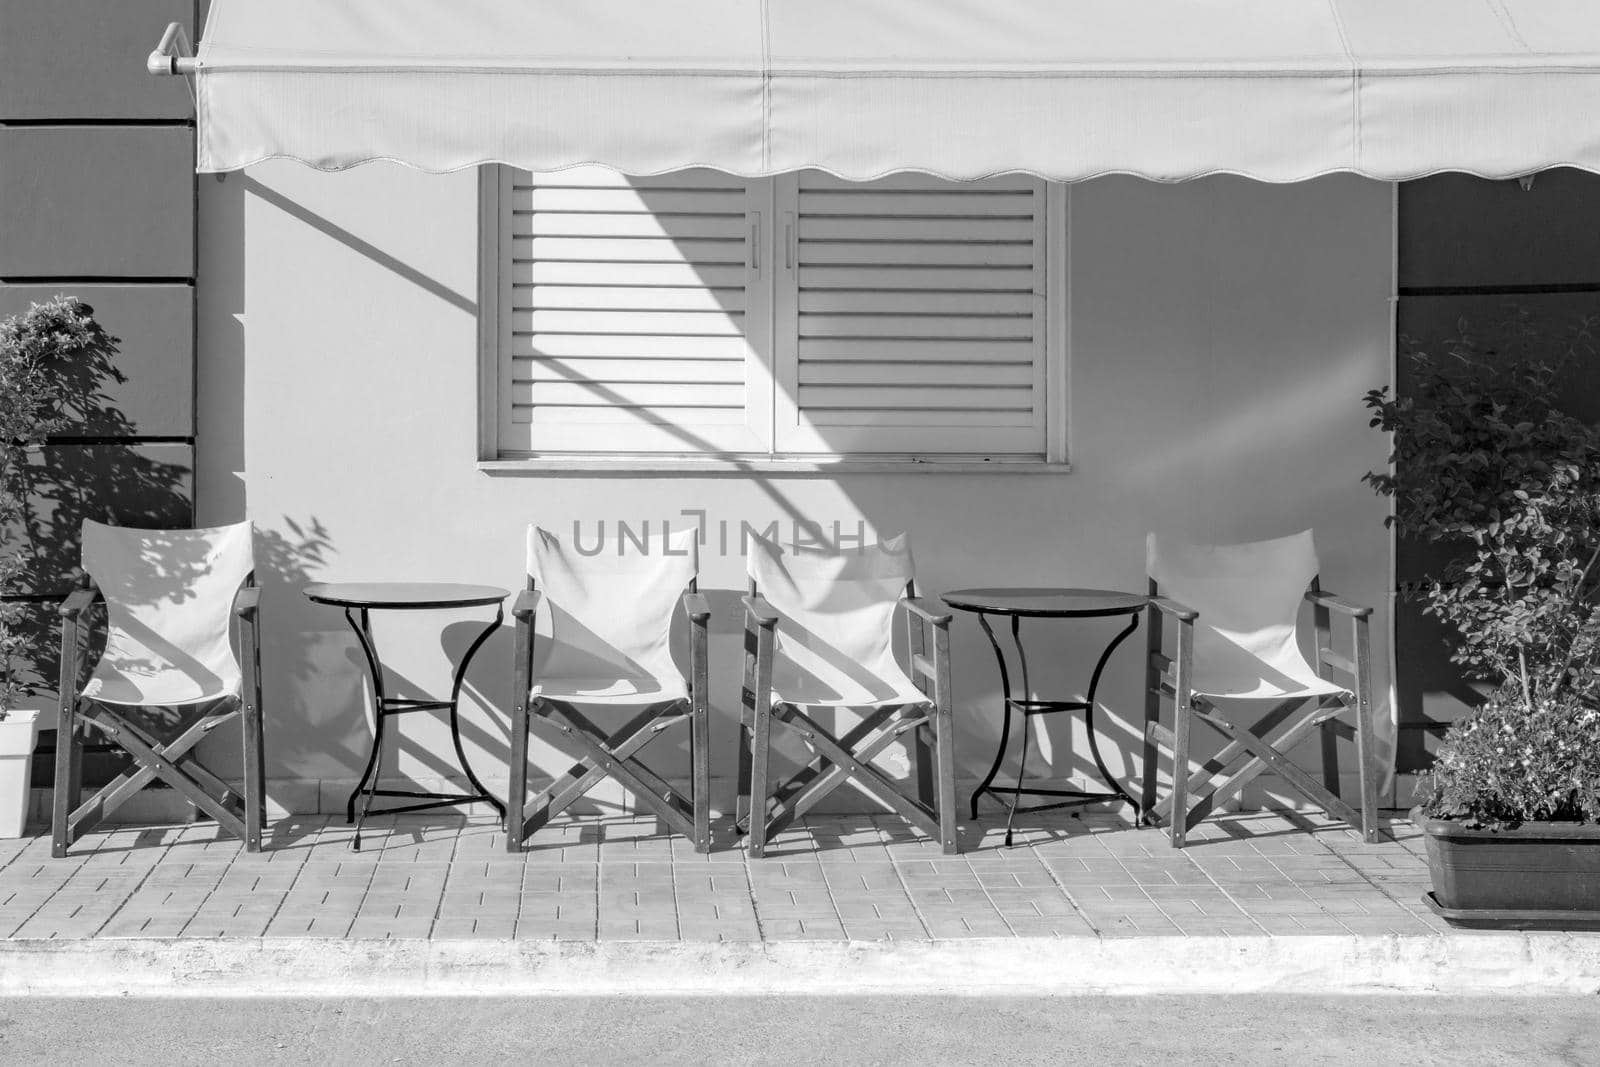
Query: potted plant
x=34 y=348
x=1490 y=468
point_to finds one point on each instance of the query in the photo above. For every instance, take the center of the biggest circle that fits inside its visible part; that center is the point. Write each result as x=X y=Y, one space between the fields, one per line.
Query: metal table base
x=1030 y=708
x=385 y=707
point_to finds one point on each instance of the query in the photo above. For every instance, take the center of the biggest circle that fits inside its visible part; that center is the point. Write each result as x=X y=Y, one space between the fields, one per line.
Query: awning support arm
x=174 y=56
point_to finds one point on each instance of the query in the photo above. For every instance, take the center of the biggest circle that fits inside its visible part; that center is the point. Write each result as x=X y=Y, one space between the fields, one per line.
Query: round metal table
x=1046 y=603
x=359 y=600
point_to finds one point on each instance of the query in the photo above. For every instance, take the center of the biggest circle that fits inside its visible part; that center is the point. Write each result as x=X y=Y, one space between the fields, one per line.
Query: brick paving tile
x=1299 y=925
x=497 y=928
x=1131 y=924
x=315 y=924
x=374 y=930
x=558 y=912
x=864 y=878
x=948 y=928
x=535 y=930
x=885 y=931
x=1094 y=870
x=724 y=878
x=560 y=878
x=720 y=932
x=803 y=929
x=1037 y=907
x=621 y=876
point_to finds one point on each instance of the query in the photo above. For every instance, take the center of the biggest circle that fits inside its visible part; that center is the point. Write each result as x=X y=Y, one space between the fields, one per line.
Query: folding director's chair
x=819 y=638
x=610 y=624
x=1237 y=610
x=170 y=596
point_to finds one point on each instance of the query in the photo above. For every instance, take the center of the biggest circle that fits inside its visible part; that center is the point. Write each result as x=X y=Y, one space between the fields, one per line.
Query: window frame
x=494 y=366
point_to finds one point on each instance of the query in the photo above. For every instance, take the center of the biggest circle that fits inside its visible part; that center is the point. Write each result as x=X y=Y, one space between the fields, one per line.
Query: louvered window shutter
x=639 y=314
x=910 y=316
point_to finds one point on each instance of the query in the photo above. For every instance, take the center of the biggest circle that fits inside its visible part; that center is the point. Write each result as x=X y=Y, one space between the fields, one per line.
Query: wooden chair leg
x=1147 y=789
x=255 y=815
x=1179 y=830
x=761 y=752
x=922 y=748
x=945 y=745
x=1364 y=740
x=1152 y=707
x=945 y=740
x=700 y=769
x=741 y=784
x=517 y=795
x=65 y=797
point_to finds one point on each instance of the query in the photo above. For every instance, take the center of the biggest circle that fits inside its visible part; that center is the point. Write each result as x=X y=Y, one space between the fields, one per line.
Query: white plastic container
x=19 y=731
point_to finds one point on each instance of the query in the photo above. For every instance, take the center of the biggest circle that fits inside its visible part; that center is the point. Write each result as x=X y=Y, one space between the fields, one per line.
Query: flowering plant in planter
x=1493 y=470
x=34 y=398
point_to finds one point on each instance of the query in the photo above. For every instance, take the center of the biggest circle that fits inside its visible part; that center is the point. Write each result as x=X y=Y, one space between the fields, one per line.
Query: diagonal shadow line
x=351 y=241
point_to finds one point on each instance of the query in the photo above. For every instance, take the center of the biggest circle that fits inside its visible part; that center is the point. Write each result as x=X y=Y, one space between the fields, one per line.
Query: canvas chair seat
x=819 y=636
x=171 y=598
x=809 y=672
x=807 y=691
x=144 y=683
x=1237 y=608
x=637 y=690
x=1261 y=685
x=593 y=632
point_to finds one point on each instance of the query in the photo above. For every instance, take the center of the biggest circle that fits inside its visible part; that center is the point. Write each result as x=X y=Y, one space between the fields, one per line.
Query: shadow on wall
x=77 y=477
x=286 y=561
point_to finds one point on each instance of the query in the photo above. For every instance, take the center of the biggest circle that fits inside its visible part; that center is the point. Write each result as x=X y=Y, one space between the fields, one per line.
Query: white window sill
x=638 y=464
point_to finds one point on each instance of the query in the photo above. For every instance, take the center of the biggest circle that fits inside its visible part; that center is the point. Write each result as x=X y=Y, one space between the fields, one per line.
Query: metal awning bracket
x=174 y=56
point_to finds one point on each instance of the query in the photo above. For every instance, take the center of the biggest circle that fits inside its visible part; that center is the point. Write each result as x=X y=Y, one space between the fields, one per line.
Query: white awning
x=1279 y=90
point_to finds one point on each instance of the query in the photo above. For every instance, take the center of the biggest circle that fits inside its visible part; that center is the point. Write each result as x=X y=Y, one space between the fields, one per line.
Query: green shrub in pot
x=51 y=358
x=34 y=400
x=1488 y=467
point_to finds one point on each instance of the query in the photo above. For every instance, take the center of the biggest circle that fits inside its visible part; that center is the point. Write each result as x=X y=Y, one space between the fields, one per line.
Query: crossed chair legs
x=1248 y=752
x=614 y=755
x=838 y=759
x=174 y=762
x=765 y=808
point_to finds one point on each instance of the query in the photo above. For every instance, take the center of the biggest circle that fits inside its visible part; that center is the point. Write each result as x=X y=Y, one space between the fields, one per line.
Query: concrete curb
x=1490 y=963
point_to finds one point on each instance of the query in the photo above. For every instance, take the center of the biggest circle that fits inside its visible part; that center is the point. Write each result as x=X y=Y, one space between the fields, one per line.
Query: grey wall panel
x=154 y=325
x=148 y=485
x=1429 y=323
x=96 y=200
x=85 y=59
x=1457 y=230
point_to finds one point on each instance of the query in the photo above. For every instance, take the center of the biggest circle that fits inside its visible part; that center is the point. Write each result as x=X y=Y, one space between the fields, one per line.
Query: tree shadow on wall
x=84 y=468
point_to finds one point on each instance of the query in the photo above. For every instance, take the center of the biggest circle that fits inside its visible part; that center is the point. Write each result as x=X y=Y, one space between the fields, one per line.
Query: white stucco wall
x=1222 y=334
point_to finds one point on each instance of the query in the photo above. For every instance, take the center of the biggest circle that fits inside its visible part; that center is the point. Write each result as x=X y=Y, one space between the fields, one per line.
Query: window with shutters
x=795 y=320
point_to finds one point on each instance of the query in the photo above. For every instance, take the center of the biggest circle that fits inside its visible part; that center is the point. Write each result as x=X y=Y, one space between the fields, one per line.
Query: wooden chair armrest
x=927 y=611
x=247 y=602
x=757 y=610
x=527 y=604
x=76 y=603
x=1325 y=599
x=697 y=608
x=1168 y=606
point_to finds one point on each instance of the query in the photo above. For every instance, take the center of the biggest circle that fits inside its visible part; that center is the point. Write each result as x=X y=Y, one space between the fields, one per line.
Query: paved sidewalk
x=448 y=877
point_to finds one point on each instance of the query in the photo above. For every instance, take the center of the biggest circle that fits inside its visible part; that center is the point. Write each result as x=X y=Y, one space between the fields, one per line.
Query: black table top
x=1047 y=602
x=404 y=595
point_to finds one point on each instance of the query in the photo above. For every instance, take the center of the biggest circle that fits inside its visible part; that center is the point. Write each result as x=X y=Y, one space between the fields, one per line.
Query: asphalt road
x=1371 y=1030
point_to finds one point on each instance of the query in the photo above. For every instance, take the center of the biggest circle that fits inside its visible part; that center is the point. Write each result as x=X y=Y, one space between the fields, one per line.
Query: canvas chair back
x=169 y=598
x=836 y=619
x=1249 y=598
x=610 y=612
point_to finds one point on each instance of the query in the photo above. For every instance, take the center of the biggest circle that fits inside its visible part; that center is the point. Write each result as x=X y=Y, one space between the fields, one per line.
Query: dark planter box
x=1539 y=867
